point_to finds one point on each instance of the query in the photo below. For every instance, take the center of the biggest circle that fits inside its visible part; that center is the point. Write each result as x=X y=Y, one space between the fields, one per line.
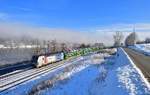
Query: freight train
x=44 y=59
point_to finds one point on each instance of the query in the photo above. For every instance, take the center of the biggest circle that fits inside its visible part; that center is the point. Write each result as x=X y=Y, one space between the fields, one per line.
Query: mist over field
x=97 y=35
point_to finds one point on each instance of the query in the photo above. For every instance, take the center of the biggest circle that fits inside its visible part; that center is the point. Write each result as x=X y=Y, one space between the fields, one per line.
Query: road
x=142 y=61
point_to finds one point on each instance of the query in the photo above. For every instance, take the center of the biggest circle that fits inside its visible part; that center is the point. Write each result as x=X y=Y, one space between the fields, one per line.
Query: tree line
x=130 y=40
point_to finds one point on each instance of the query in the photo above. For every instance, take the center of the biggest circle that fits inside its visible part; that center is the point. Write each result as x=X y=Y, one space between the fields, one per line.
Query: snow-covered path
x=116 y=76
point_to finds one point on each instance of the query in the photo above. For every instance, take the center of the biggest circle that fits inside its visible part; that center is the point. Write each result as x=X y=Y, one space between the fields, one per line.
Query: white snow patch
x=142 y=48
x=73 y=71
x=124 y=77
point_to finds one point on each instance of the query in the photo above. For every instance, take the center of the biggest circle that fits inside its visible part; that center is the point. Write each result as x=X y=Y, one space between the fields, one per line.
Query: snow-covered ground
x=24 y=88
x=93 y=76
x=143 y=48
x=115 y=76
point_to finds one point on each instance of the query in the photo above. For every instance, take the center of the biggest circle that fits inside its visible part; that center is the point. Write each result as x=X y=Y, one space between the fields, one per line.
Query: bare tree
x=131 y=39
x=117 y=38
x=2 y=41
x=53 y=43
x=37 y=49
x=99 y=45
x=63 y=46
x=75 y=46
x=82 y=45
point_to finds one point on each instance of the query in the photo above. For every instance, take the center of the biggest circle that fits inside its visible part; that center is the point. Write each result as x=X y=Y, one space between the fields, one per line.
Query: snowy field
x=91 y=76
x=143 y=48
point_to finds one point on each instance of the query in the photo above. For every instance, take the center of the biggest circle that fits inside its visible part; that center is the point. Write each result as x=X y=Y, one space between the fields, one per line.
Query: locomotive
x=44 y=59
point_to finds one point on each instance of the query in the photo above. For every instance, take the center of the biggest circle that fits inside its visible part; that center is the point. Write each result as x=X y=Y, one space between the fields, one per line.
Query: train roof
x=47 y=54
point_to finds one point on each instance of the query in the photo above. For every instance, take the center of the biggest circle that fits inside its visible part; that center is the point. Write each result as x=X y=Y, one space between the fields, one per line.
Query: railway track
x=9 y=81
x=15 y=72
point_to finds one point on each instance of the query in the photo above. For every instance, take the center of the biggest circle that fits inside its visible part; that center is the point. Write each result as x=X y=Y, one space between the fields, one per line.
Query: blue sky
x=86 y=21
x=75 y=14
